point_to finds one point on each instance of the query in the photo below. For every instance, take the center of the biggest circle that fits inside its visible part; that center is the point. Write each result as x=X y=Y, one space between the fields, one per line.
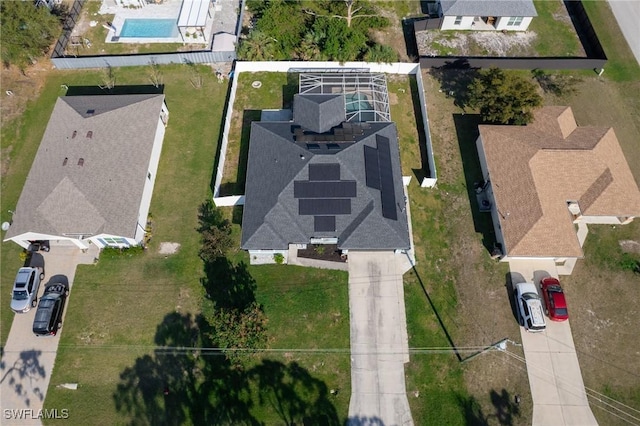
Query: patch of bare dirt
x=18 y=88
x=168 y=248
x=630 y=246
x=392 y=35
x=472 y=43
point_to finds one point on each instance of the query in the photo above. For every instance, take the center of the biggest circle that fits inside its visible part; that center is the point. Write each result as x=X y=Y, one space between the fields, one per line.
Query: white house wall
x=489 y=190
x=147 y=192
x=98 y=240
x=448 y=23
x=501 y=24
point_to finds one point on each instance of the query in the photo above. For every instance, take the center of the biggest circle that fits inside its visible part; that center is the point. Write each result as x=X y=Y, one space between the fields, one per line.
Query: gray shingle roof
x=488 y=8
x=271 y=218
x=318 y=113
x=91 y=167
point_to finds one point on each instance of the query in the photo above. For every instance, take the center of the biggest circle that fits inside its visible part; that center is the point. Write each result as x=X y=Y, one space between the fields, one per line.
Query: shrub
x=112 y=252
x=278 y=258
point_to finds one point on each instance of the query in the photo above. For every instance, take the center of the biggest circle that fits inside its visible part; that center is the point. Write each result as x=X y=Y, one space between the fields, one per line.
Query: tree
x=309 y=48
x=503 y=97
x=340 y=43
x=215 y=232
x=381 y=53
x=26 y=32
x=351 y=10
x=259 y=46
x=239 y=330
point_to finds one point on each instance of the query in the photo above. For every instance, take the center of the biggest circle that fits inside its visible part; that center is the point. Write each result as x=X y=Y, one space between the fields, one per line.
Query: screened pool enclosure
x=365 y=94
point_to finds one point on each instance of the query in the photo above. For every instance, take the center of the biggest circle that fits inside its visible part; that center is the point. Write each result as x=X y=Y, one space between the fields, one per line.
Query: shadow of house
x=511 y=278
x=467 y=134
x=425 y=171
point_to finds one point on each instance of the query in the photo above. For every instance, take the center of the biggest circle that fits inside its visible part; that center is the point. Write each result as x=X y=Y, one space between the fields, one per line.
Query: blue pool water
x=149 y=28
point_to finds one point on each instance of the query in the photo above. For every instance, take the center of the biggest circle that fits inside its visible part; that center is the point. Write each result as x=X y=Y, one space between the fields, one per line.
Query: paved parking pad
x=557 y=388
x=379 y=343
x=27 y=362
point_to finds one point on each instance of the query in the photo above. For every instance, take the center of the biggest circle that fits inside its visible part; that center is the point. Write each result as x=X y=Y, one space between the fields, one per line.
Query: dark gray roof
x=91 y=167
x=272 y=216
x=318 y=113
x=488 y=8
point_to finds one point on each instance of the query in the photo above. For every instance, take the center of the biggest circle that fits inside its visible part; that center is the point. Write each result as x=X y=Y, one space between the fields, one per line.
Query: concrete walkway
x=27 y=361
x=627 y=13
x=379 y=342
x=557 y=388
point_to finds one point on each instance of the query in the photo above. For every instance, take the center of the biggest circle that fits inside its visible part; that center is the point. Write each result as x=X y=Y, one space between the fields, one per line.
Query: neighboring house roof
x=345 y=183
x=91 y=167
x=535 y=170
x=488 y=8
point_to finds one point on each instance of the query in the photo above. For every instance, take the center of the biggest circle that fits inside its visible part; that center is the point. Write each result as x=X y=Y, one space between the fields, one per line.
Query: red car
x=555 y=303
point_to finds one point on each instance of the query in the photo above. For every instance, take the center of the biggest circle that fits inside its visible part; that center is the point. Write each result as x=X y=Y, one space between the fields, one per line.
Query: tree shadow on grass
x=454 y=81
x=505 y=409
x=472 y=410
x=364 y=421
x=293 y=393
x=182 y=383
x=229 y=286
x=467 y=134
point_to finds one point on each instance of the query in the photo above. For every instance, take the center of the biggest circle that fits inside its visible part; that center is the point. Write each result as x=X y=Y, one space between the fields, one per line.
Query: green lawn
x=556 y=37
x=622 y=65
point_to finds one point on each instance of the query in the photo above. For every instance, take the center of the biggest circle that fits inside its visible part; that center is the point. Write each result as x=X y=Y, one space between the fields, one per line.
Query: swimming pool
x=149 y=28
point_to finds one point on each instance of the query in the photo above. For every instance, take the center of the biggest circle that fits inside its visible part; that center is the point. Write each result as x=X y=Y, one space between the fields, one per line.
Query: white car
x=25 y=289
x=530 y=309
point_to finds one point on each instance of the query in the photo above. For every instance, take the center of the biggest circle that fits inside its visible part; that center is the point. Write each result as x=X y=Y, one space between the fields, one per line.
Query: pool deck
x=224 y=16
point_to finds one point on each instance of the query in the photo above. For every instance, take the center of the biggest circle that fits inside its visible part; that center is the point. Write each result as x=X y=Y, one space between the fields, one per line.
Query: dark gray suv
x=48 y=317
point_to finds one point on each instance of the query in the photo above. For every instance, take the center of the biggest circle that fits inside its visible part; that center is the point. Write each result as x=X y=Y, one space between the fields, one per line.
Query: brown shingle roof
x=536 y=169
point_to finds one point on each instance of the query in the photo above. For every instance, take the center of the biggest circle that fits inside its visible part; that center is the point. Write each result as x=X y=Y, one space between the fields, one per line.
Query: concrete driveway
x=557 y=388
x=627 y=13
x=379 y=343
x=27 y=361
